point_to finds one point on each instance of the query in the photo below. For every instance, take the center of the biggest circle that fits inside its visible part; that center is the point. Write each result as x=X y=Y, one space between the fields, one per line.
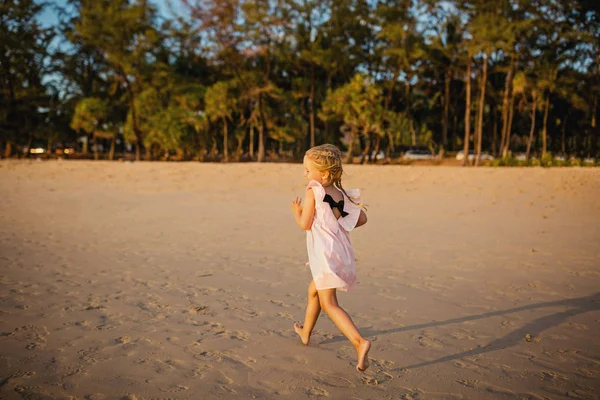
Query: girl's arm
x=362 y=219
x=304 y=215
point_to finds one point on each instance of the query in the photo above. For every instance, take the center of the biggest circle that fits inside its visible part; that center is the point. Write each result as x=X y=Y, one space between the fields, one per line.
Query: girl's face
x=311 y=173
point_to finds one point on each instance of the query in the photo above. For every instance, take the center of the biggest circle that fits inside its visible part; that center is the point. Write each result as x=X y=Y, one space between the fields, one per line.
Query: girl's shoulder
x=315 y=186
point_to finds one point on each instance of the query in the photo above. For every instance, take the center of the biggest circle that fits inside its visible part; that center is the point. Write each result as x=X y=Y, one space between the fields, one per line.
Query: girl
x=328 y=215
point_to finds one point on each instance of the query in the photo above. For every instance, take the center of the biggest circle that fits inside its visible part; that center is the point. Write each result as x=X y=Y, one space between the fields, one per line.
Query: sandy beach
x=182 y=281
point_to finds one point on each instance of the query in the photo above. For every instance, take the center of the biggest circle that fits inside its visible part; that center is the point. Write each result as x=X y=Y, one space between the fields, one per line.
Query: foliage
x=280 y=76
x=89 y=114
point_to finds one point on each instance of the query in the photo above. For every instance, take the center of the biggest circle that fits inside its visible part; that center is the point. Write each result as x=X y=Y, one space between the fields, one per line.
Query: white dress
x=330 y=254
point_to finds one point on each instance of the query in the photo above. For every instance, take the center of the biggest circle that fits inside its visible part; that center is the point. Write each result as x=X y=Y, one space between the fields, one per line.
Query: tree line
x=240 y=79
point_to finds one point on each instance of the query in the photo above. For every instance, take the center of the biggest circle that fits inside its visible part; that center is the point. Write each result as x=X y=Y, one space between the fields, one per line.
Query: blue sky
x=49 y=16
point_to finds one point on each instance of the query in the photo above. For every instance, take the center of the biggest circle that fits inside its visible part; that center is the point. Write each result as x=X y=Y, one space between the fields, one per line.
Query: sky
x=49 y=16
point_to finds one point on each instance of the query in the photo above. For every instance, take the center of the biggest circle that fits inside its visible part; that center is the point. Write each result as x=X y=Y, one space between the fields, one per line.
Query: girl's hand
x=296 y=206
x=304 y=215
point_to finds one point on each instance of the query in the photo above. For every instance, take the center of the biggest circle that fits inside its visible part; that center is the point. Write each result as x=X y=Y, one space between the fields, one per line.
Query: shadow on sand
x=534 y=328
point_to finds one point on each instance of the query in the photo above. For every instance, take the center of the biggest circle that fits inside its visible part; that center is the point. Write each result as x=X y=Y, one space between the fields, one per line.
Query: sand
x=183 y=280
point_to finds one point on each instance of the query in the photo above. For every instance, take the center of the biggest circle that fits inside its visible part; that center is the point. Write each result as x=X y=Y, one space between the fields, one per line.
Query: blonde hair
x=328 y=158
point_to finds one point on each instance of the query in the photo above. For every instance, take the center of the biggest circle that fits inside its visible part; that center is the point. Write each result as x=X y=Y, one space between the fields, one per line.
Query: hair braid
x=328 y=158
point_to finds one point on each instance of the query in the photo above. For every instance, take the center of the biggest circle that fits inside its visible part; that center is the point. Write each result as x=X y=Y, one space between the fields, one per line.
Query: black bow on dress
x=333 y=204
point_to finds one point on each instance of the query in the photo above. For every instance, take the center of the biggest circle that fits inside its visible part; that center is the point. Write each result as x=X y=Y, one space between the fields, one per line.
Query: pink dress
x=330 y=255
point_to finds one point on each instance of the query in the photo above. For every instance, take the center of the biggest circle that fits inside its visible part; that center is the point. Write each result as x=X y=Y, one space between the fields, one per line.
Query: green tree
x=220 y=105
x=122 y=30
x=89 y=117
x=403 y=51
x=358 y=104
x=24 y=62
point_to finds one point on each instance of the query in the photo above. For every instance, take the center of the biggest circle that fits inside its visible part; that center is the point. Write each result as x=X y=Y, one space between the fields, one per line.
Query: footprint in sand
x=552 y=376
x=333 y=380
x=32 y=334
x=202 y=310
x=228 y=389
x=208 y=355
x=317 y=392
x=240 y=335
x=296 y=359
x=430 y=342
x=472 y=367
x=90 y=355
x=197 y=372
x=381 y=364
x=123 y=340
x=174 y=389
x=279 y=303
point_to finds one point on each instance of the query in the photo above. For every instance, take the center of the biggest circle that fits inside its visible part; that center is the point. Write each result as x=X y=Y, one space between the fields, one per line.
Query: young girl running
x=328 y=215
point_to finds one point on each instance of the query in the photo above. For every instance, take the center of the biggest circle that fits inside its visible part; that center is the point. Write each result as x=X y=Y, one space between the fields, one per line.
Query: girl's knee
x=327 y=303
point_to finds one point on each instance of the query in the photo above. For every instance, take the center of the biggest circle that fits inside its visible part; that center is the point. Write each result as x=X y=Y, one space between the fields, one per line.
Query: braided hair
x=328 y=158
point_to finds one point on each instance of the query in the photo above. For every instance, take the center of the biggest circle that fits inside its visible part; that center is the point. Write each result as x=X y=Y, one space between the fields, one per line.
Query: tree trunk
x=214 y=150
x=390 y=146
x=455 y=131
x=413 y=133
x=261 y=132
x=544 y=127
x=563 y=133
x=312 y=107
x=508 y=85
x=238 y=150
x=594 y=130
x=261 y=143
x=467 y=113
x=531 y=131
x=225 y=143
x=351 y=146
x=446 y=107
x=251 y=145
x=366 y=150
x=511 y=113
x=8 y=149
x=29 y=142
x=134 y=125
x=593 y=139
x=377 y=144
x=85 y=145
x=481 y=107
x=495 y=133
x=388 y=98
x=95 y=146
x=111 y=153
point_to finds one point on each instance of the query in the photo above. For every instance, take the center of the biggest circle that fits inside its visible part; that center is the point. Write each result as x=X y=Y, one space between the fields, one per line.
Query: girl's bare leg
x=313 y=309
x=329 y=303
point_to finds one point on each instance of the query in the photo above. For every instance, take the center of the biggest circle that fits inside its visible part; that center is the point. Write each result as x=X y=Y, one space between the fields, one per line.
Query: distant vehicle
x=589 y=160
x=418 y=154
x=66 y=150
x=35 y=150
x=521 y=157
x=379 y=156
x=484 y=156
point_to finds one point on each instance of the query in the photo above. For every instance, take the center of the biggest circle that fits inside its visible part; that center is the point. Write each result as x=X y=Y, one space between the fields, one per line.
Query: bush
x=549 y=161
x=508 y=161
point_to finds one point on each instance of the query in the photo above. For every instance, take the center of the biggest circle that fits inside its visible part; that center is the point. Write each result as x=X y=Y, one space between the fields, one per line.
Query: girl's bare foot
x=300 y=331
x=363 y=356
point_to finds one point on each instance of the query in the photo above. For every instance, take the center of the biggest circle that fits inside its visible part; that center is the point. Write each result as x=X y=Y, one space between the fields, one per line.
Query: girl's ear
x=326 y=176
